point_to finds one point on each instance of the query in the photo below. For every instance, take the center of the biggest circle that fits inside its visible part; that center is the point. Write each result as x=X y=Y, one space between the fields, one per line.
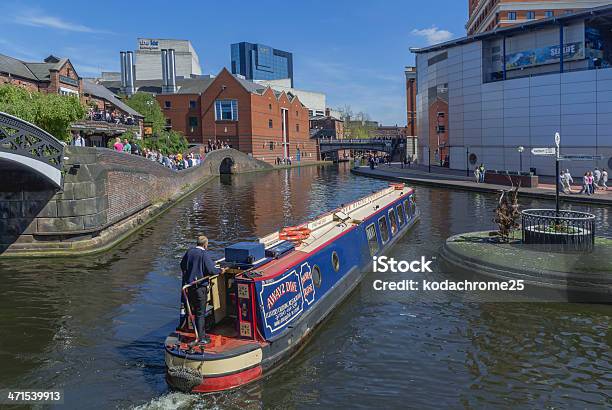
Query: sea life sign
x=281 y=301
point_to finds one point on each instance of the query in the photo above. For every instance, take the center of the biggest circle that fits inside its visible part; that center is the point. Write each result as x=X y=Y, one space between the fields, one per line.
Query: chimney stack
x=168 y=71
x=129 y=70
x=123 y=71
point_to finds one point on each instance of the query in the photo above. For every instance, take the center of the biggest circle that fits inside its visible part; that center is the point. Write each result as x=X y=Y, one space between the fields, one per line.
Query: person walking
x=477 y=174
x=591 y=182
x=118 y=146
x=127 y=148
x=585 y=184
x=596 y=178
x=604 y=179
x=562 y=182
x=197 y=266
x=569 y=180
x=482 y=172
x=78 y=140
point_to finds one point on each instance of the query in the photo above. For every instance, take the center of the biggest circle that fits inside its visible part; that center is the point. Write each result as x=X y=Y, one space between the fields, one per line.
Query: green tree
x=147 y=105
x=167 y=142
x=52 y=112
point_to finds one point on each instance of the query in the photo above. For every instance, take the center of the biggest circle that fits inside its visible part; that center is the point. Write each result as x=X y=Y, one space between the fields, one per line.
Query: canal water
x=94 y=326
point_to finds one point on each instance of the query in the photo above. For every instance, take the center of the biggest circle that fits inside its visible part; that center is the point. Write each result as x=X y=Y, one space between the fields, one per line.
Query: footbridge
x=24 y=145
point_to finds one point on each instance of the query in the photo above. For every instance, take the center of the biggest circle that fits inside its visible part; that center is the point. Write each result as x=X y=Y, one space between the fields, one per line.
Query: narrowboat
x=276 y=290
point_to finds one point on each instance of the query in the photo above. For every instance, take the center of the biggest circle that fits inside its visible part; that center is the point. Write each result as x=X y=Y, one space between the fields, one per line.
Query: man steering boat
x=197 y=267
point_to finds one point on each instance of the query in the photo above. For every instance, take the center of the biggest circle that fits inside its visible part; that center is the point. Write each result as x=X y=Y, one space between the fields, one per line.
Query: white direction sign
x=557 y=139
x=581 y=157
x=543 y=151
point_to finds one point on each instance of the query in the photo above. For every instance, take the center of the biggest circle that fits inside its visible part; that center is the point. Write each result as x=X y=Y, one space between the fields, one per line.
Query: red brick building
x=252 y=118
x=53 y=75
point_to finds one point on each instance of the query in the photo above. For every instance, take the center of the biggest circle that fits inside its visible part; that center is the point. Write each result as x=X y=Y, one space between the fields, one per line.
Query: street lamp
x=520 y=150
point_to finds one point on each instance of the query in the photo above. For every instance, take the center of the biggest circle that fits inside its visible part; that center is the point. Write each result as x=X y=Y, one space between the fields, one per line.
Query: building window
x=270 y=107
x=297 y=127
x=168 y=123
x=530 y=15
x=297 y=113
x=270 y=124
x=549 y=13
x=193 y=122
x=512 y=15
x=226 y=110
x=167 y=104
x=271 y=144
x=192 y=104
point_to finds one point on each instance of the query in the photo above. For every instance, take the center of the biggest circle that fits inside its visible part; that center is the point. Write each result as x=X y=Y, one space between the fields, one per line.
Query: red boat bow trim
x=213 y=384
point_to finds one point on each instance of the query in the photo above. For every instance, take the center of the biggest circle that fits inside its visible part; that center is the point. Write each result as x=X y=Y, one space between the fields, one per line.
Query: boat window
x=393 y=220
x=412 y=207
x=316 y=276
x=408 y=205
x=335 y=261
x=384 y=229
x=372 y=239
x=400 y=214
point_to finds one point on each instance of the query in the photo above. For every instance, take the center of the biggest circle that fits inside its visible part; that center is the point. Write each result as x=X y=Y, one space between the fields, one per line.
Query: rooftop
x=31 y=71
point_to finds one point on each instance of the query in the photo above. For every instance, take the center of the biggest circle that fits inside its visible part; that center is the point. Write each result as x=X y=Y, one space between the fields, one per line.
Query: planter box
x=527 y=181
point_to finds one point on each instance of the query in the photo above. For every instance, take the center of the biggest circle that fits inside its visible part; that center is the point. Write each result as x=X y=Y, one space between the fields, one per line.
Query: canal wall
x=105 y=196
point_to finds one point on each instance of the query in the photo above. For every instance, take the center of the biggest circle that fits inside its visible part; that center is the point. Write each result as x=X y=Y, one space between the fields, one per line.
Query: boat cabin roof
x=328 y=227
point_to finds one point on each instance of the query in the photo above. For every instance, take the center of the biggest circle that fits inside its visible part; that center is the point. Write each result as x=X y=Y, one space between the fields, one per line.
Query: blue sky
x=354 y=51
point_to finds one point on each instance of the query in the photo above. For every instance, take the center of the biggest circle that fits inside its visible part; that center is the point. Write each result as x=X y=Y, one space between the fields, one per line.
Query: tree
x=356 y=126
x=147 y=105
x=52 y=112
x=167 y=142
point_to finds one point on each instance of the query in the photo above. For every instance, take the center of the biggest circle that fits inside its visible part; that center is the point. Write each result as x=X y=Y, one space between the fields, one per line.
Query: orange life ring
x=296 y=229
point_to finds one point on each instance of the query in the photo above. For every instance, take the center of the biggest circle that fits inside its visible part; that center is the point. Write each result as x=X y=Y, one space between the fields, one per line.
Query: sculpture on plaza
x=507 y=212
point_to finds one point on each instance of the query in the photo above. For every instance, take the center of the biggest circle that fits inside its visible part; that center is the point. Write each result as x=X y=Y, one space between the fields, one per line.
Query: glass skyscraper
x=260 y=62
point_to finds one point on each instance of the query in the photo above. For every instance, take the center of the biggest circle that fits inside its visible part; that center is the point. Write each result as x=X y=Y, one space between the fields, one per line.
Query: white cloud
x=40 y=20
x=433 y=34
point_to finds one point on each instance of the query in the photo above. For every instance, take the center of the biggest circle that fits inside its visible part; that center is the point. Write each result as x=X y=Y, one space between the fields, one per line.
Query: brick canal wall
x=106 y=195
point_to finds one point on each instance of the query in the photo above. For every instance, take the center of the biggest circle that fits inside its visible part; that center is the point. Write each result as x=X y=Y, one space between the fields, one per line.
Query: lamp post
x=467 y=161
x=520 y=150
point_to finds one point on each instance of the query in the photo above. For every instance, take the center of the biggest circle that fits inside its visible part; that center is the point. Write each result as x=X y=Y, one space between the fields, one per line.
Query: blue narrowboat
x=278 y=289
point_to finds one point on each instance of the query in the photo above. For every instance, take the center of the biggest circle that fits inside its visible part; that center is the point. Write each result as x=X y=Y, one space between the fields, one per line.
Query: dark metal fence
x=564 y=230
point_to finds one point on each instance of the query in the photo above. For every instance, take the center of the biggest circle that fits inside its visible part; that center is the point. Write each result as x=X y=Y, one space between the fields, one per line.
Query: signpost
x=558 y=157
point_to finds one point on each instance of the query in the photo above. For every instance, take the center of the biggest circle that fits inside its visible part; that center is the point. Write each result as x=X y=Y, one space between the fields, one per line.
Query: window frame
x=393 y=217
x=383 y=236
x=220 y=109
x=270 y=123
x=511 y=15
x=401 y=216
x=373 y=240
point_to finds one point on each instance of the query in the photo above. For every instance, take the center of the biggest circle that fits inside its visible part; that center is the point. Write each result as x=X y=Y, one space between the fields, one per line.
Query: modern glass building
x=488 y=97
x=260 y=62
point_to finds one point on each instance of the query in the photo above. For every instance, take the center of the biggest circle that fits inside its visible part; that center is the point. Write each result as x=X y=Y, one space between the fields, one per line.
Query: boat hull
x=228 y=373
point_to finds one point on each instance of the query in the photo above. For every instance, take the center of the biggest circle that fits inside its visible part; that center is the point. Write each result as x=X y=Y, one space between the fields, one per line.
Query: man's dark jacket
x=197 y=264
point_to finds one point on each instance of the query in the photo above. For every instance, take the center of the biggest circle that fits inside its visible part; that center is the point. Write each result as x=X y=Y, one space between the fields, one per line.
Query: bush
x=167 y=142
x=52 y=112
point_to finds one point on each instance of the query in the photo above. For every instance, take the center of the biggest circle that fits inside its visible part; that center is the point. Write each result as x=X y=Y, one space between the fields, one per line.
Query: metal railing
x=563 y=230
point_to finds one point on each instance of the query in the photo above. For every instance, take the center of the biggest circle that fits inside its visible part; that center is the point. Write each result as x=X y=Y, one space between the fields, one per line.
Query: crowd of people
x=113 y=117
x=215 y=145
x=173 y=161
x=591 y=181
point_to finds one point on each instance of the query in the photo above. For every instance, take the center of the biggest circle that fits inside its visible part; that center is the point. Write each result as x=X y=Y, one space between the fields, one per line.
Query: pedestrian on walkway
x=585 y=184
x=562 y=182
x=591 y=182
x=570 y=180
x=482 y=171
x=477 y=174
x=596 y=178
x=604 y=179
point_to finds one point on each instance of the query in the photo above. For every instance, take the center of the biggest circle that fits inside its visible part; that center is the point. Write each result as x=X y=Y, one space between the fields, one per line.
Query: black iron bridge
x=24 y=145
x=392 y=146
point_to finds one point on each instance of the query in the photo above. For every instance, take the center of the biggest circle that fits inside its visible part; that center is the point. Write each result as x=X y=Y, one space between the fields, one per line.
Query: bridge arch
x=225 y=167
x=24 y=145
